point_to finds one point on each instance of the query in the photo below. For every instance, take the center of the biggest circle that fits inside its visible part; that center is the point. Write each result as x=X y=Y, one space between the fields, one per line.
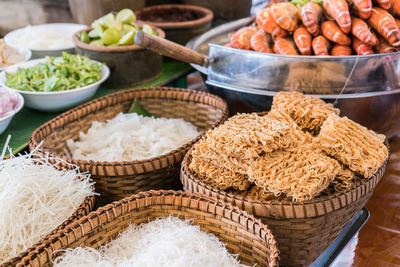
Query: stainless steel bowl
x=365 y=88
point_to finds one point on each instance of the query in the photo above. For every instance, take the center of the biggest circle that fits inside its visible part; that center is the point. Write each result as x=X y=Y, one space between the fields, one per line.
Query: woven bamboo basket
x=115 y=180
x=243 y=235
x=82 y=210
x=303 y=230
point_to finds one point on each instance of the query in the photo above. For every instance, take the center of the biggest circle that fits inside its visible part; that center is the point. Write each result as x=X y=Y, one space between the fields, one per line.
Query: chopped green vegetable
x=116 y=30
x=84 y=37
x=148 y=29
x=110 y=36
x=128 y=38
x=139 y=109
x=56 y=74
x=125 y=16
x=96 y=42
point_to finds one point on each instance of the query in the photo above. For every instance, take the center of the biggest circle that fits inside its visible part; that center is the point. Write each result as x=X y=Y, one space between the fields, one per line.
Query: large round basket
x=303 y=230
x=115 y=180
x=243 y=235
x=82 y=210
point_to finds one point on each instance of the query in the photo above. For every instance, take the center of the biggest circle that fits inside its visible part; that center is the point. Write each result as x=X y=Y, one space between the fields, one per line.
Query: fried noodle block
x=298 y=136
x=307 y=111
x=237 y=164
x=259 y=193
x=217 y=176
x=248 y=136
x=300 y=173
x=343 y=181
x=353 y=145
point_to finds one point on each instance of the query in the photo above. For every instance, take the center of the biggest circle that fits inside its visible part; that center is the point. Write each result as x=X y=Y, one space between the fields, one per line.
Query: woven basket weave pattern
x=242 y=233
x=303 y=230
x=116 y=180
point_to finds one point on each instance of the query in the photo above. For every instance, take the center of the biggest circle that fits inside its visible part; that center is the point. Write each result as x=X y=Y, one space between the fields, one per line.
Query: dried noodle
x=343 y=181
x=237 y=164
x=250 y=135
x=258 y=193
x=300 y=174
x=218 y=177
x=307 y=111
x=353 y=145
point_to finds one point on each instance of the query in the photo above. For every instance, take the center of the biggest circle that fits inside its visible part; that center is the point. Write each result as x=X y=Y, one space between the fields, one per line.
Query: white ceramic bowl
x=59 y=30
x=5 y=121
x=17 y=55
x=54 y=101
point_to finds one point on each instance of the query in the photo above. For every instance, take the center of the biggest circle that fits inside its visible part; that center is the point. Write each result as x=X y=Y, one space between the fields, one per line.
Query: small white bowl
x=17 y=55
x=13 y=38
x=5 y=121
x=54 y=101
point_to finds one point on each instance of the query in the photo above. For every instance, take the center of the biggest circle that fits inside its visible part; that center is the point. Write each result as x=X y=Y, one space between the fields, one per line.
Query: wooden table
x=378 y=242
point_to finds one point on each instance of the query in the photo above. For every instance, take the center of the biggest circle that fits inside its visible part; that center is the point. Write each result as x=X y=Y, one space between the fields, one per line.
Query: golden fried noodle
x=219 y=177
x=307 y=111
x=300 y=174
x=353 y=145
x=298 y=151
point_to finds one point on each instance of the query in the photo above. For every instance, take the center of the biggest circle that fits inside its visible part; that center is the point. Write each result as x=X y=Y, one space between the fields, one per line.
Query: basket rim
x=187 y=174
x=75 y=227
x=34 y=143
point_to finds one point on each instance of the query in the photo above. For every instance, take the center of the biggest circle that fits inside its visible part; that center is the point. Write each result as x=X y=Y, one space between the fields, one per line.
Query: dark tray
x=330 y=254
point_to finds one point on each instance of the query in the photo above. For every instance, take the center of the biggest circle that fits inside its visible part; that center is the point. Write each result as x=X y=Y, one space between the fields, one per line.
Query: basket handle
x=170 y=49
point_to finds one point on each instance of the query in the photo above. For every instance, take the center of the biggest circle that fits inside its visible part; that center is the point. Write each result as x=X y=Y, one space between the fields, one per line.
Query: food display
x=56 y=74
x=164 y=242
x=115 y=30
x=297 y=173
x=321 y=28
x=129 y=137
x=10 y=56
x=35 y=199
x=302 y=149
x=9 y=102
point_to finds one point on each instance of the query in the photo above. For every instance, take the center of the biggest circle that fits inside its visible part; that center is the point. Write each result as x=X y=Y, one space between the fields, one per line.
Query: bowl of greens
x=55 y=83
x=110 y=39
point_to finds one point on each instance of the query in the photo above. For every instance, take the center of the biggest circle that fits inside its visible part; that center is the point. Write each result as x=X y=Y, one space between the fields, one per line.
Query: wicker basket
x=115 y=180
x=242 y=233
x=82 y=210
x=303 y=230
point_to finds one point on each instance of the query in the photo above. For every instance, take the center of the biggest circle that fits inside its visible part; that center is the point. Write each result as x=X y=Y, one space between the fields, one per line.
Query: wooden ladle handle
x=169 y=49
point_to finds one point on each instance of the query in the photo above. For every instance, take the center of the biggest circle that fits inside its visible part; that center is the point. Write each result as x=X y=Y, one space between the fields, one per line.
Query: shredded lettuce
x=56 y=74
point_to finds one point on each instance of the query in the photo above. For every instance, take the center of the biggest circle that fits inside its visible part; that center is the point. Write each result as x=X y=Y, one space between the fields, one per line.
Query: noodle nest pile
x=301 y=150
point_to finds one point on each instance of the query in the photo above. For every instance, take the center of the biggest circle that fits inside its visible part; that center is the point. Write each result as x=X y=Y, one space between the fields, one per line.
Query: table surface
x=378 y=242
x=27 y=120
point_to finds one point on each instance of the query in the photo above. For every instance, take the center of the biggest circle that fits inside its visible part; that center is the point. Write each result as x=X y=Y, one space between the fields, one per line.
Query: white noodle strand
x=35 y=198
x=130 y=137
x=163 y=242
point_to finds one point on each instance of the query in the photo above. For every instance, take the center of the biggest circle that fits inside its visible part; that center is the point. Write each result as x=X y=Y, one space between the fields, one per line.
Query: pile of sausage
x=326 y=27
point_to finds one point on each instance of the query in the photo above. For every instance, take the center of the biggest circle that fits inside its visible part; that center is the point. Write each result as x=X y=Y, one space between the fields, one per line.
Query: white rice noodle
x=35 y=198
x=129 y=137
x=163 y=242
